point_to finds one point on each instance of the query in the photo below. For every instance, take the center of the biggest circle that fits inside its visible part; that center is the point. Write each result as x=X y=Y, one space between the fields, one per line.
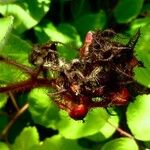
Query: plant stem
x=121 y=131
x=10 y=124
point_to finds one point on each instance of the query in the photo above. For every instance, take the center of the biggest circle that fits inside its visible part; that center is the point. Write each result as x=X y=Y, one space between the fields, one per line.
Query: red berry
x=78 y=112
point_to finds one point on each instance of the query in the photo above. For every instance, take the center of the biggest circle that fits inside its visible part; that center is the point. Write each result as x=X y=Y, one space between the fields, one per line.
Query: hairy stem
x=27 y=85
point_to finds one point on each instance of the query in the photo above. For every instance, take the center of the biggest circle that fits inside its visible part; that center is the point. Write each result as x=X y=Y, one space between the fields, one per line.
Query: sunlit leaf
x=120 y=144
x=26 y=16
x=142 y=48
x=42 y=108
x=64 y=33
x=27 y=138
x=5 y=26
x=138 y=118
x=72 y=129
x=17 y=50
x=107 y=130
x=3 y=146
x=143 y=54
x=140 y=73
x=139 y=23
x=3 y=99
x=57 y=142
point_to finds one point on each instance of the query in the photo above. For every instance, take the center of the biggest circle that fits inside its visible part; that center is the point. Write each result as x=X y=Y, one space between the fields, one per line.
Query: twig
x=121 y=131
x=13 y=101
x=10 y=124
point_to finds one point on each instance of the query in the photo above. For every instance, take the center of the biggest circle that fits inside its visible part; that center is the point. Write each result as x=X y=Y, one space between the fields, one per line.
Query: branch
x=18 y=114
x=27 y=85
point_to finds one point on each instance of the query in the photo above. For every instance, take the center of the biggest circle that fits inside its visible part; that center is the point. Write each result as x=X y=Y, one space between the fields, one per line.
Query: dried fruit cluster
x=98 y=78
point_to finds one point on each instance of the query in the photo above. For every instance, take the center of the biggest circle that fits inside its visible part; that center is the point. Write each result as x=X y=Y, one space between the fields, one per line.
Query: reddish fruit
x=78 y=112
x=120 y=98
x=76 y=108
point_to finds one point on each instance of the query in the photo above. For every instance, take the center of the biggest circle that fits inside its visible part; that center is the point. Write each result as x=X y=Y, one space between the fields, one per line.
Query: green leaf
x=143 y=54
x=51 y=33
x=69 y=52
x=3 y=146
x=57 y=142
x=5 y=26
x=139 y=23
x=42 y=109
x=3 y=100
x=18 y=50
x=91 y=21
x=28 y=137
x=71 y=33
x=120 y=144
x=143 y=49
x=142 y=75
x=27 y=13
x=138 y=118
x=72 y=129
x=107 y=130
x=7 y=1
x=4 y=120
x=80 y=8
x=126 y=10
x=64 y=33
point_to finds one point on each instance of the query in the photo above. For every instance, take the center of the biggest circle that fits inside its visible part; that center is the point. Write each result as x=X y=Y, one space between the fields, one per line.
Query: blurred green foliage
x=43 y=126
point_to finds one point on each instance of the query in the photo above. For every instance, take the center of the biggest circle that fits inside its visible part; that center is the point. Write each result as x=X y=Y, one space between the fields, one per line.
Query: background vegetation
x=43 y=126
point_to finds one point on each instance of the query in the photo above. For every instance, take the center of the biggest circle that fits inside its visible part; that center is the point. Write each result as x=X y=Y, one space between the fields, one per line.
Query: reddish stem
x=28 y=84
